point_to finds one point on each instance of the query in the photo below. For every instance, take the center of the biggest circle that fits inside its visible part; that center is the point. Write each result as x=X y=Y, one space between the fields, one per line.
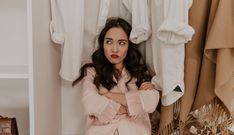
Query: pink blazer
x=102 y=112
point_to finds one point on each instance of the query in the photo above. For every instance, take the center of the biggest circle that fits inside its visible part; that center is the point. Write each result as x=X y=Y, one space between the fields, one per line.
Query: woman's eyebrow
x=108 y=38
x=125 y=40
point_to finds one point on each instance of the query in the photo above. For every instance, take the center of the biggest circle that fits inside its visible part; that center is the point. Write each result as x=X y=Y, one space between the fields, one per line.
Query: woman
x=117 y=94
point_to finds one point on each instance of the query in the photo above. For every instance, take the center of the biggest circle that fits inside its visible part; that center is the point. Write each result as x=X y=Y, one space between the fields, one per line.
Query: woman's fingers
x=146 y=86
x=123 y=110
x=150 y=87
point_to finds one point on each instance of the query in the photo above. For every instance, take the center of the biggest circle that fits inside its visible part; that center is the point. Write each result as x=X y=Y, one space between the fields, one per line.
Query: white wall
x=73 y=119
x=46 y=80
x=13 y=60
x=13 y=28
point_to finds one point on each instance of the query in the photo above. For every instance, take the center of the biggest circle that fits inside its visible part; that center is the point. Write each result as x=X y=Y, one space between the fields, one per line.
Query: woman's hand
x=146 y=86
x=122 y=110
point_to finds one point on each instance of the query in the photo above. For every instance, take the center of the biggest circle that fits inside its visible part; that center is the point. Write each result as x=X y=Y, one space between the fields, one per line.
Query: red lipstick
x=114 y=56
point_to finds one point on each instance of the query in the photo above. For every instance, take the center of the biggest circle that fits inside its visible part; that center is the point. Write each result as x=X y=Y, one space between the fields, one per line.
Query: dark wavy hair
x=105 y=71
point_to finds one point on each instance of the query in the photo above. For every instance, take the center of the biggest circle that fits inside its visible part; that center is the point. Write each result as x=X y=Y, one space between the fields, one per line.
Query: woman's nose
x=115 y=48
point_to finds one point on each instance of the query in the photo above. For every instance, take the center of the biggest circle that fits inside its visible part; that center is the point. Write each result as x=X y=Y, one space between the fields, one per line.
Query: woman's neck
x=118 y=71
x=119 y=67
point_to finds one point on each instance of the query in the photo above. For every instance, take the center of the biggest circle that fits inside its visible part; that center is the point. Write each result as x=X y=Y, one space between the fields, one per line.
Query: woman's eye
x=122 y=43
x=108 y=42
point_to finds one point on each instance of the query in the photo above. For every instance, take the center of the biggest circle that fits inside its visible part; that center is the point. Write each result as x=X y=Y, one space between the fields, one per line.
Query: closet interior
x=31 y=89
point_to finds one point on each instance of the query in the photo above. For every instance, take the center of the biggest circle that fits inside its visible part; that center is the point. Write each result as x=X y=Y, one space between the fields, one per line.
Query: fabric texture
x=198 y=19
x=170 y=32
x=102 y=112
x=216 y=77
x=141 y=30
x=67 y=30
x=203 y=76
x=135 y=12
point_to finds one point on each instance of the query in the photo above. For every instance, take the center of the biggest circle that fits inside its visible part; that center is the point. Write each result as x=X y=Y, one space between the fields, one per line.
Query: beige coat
x=199 y=12
x=216 y=76
x=209 y=57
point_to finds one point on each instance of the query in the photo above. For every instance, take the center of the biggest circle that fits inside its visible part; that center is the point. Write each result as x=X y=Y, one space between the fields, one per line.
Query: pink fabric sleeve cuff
x=149 y=100
x=109 y=111
x=134 y=103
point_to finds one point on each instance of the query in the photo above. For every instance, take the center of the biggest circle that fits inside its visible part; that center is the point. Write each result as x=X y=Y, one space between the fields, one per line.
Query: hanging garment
x=117 y=10
x=198 y=19
x=216 y=77
x=90 y=28
x=212 y=70
x=141 y=30
x=71 y=106
x=103 y=14
x=170 y=32
x=56 y=24
x=153 y=56
x=67 y=29
x=102 y=112
x=139 y=14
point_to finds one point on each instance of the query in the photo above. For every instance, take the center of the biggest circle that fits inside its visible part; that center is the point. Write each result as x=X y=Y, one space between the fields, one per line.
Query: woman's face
x=116 y=46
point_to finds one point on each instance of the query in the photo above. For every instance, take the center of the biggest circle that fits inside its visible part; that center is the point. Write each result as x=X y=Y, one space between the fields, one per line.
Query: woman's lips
x=114 y=56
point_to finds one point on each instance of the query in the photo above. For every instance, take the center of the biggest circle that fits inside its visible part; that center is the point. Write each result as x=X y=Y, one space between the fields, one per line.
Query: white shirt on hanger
x=139 y=18
x=170 y=32
x=67 y=27
x=141 y=30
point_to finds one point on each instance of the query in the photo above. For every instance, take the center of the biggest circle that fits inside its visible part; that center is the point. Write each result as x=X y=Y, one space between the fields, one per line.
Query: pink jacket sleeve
x=95 y=104
x=142 y=101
